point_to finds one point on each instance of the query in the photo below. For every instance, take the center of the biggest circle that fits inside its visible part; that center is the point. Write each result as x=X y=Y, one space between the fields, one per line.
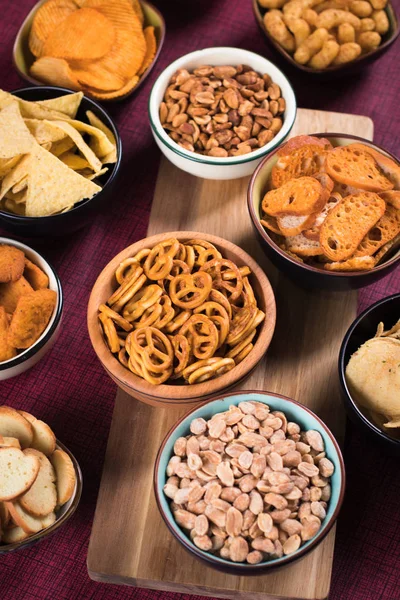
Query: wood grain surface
x=130 y=543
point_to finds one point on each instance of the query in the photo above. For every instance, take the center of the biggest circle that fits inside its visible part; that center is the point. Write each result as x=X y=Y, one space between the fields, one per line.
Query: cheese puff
x=31 y=317
x=6 y=350
x=310 y=16
x=325 y=56
x=360 y=8
x=278 y=30
x=378 y=4
x=299 y=27
x=295 y=8
x=347 y=53
x=367 y=25
x=36 y=277
x=346 y=33
x=333 y=17
x=329 y=4
x=311 y=46
x=271 y=3
x=12 y=262
x=369 y=40
x=381 y=21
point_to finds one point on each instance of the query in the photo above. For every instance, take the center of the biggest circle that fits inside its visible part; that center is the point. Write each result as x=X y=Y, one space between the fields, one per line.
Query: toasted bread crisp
x=348 y=223
x=12 y=291
x=31 y=317
x=7 y=351
x=271 y=224
x=392 y=198
x=291 y=226
x=41 y=498
x=385 y=230
x=18 y=473
x=22 y=518
x=357 y=168
x=12 y=262
x=44 y=439
x=360 y=263
x=297 y=197
x=388 y=166
x=301 y=156
x=65 y=475
x=300 y=245
x=12 y=424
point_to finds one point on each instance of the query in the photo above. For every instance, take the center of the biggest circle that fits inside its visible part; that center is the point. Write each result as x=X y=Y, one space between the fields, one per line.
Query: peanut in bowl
x=203 y=362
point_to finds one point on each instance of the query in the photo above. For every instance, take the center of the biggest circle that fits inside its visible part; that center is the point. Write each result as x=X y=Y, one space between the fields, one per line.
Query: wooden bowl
x=182 y=395
x=337 y=70
x=23 y=58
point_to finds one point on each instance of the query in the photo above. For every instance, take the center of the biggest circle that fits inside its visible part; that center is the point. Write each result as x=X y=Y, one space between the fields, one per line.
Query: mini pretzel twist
x=159 y=262
x=217 y=268
x=189 y=291
x=202 y=334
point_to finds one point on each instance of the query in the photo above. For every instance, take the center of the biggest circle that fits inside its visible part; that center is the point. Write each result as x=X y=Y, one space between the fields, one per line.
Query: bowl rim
x=363 y=58
x=159 y=132
x=342 y=370
x=245 y=569
x=48 y=531
x=178 y=394
x=36 y=82
x=268 y=240
x=50 y=329
x=115 y=166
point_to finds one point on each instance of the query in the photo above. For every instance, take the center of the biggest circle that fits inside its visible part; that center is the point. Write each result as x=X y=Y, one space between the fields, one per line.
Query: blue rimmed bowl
x=294 y=412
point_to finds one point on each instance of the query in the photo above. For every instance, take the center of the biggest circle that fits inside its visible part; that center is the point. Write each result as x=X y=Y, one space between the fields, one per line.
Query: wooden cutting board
x=130 y=543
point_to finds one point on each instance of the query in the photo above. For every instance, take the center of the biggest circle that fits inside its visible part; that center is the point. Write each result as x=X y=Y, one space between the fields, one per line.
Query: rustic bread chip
x=46 y=18
x=84 y=34
x=359 y=263
x=15 y=175
x=12 y=262
x=357 y=168
x=4 y=515
x=31 y=317
x=385 y=230
x=14 y=535
x=348 y=223
x=53 y=186
x=300 y=245
x=74 y=161
x=18 y=473
x=291 y=225
x=303 y=140
x=151 y=49
x=118 y=94
x=15 y=137
x=55 y=71
x=297 y=197
x=22 y=518
x=12 y=424
x=298 y=159
x=385 y=250
x=389 y=167
x=78 y=140
x=41 y=498
x=111 y=156
x=35 y=276
x=7 y=351
x=392 y=198
x=271 y=224
x=8 y=442
x=313 y=233
x=67 y=104
x=44 y=439
x=65 y=475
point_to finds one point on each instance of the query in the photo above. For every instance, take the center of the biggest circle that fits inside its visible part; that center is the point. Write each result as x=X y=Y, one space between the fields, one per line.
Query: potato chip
x=119 y=93
x=111 y=157
x=67 y=104
x=15 y=137
x=137 y=7
x=55 y=71
x=48 y=16
x=6 y=164
x=151 y=49
x=74 y=161
x=43 y=132
x=78 y=140
x=98 y=77
x=16 y=174
x=85 y=33
x=58 y=148
x=53 y=186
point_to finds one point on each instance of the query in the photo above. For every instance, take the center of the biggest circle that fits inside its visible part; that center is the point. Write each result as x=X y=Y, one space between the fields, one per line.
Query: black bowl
x=361 y=330
x=304 y=275
x=84 y=211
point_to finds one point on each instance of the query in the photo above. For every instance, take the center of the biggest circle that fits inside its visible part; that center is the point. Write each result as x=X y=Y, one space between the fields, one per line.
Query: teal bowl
x=294 y=412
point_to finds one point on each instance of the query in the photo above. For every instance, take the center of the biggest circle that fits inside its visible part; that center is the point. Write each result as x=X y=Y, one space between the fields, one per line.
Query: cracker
x=21 y=517
x=392 y=197
x=301 y=246
x=12 y=262
x=388 y=166
x=44 y=439
x=291 y=226
x=271 y=224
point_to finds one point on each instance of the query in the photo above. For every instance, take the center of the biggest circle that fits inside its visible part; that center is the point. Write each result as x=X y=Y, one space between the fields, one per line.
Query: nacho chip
x=53 y=186
x=7 y=351
x=151 y=49
x=46 y=19
x=88 y=174
x=99 y=142
x=78 y=140
x=55 y=71
x=31 y=317
x=6 y=164
x=30 y=110
x=9 y=205
x=35 y=276
x=111 y=157
x=67 y=104
x=74 y=161
x=15 y=137
x=19 y=187
x=13 y=177
x=62 y=146
x=12 y=291
x=46 y=146
x=43 y=132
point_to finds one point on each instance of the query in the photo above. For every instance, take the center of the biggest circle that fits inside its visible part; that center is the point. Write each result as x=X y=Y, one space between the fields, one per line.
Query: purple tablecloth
x=69 y=389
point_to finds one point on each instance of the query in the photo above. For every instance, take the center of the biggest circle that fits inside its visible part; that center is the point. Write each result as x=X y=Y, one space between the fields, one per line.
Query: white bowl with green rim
x=210 y=167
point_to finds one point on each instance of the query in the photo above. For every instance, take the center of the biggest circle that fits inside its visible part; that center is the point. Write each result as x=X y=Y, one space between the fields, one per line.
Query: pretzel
x=189 y=291
x=110 y=332
x=236 y=350
x=190 y=257
x=181 y=347
x=178 y=321
x=218 y=315
x=127 y=289
x=216 y=296
x=127 y=266
x=167 y=312
x=151 y=353
x=202 y=334
x=159 y=262
x=141 y=301
x=114 y=316
x=198 y=373
x=149 y=316
x=242 y=323
x=217 y=268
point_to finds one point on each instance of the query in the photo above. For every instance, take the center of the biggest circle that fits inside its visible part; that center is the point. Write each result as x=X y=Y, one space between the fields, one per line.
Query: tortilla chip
x=47 y=146
x=78 y=140
x=15 y=137
x=151 y=50
x=35 y=276
x=17 y=173
x=88 y=174
x=55 y=71
x=111 y=157
x=43 y=132
x=74 y=161
x=19 y=187
x=46 y=19
x=30 y=110
x=19 y=198
x=58 y=148
x=53 y=186
x=67 y=104
x=6 y=164
x=12 y=291
x=11 y=206
x=100 y=142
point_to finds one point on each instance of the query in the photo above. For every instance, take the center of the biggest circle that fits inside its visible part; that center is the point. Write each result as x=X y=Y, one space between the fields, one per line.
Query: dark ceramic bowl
x=295 y=412
x=361 y=330
x=301 y=273
x=83 y=212
x=337 y=70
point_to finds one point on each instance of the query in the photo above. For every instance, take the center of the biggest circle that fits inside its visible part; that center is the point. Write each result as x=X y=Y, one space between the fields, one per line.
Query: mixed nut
x=248 y=485
x=223 y=110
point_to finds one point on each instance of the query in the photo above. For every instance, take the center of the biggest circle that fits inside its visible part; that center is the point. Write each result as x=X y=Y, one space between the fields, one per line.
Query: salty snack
x=222 y=111
x=97 y=46
x=25 y=310
x=182 y=312
x=336 y=208
x=248 y=485
x=33 y=485
x=48 y=157
x=324 y=34
x=373 y=377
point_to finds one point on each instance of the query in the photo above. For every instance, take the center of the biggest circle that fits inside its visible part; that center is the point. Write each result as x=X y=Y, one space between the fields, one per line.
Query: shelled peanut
x=248 y=485
x=222 y=111
x=323 y=33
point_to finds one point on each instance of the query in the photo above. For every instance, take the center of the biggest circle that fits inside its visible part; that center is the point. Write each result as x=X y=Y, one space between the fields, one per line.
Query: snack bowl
x=23 y=57
x=210 y=167
x=170 y=394
x=82 y=213
x=294 y=412
x=362 y=329
x=301 y=273
x=336 y=70
x=29 y=357
x=62 y=516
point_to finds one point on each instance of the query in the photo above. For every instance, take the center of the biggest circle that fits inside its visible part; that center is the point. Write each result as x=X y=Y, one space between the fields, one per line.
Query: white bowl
x=210 y=167
x=29 y=357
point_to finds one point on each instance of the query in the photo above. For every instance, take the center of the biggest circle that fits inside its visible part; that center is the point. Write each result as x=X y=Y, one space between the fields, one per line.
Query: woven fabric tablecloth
x=69 y=389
